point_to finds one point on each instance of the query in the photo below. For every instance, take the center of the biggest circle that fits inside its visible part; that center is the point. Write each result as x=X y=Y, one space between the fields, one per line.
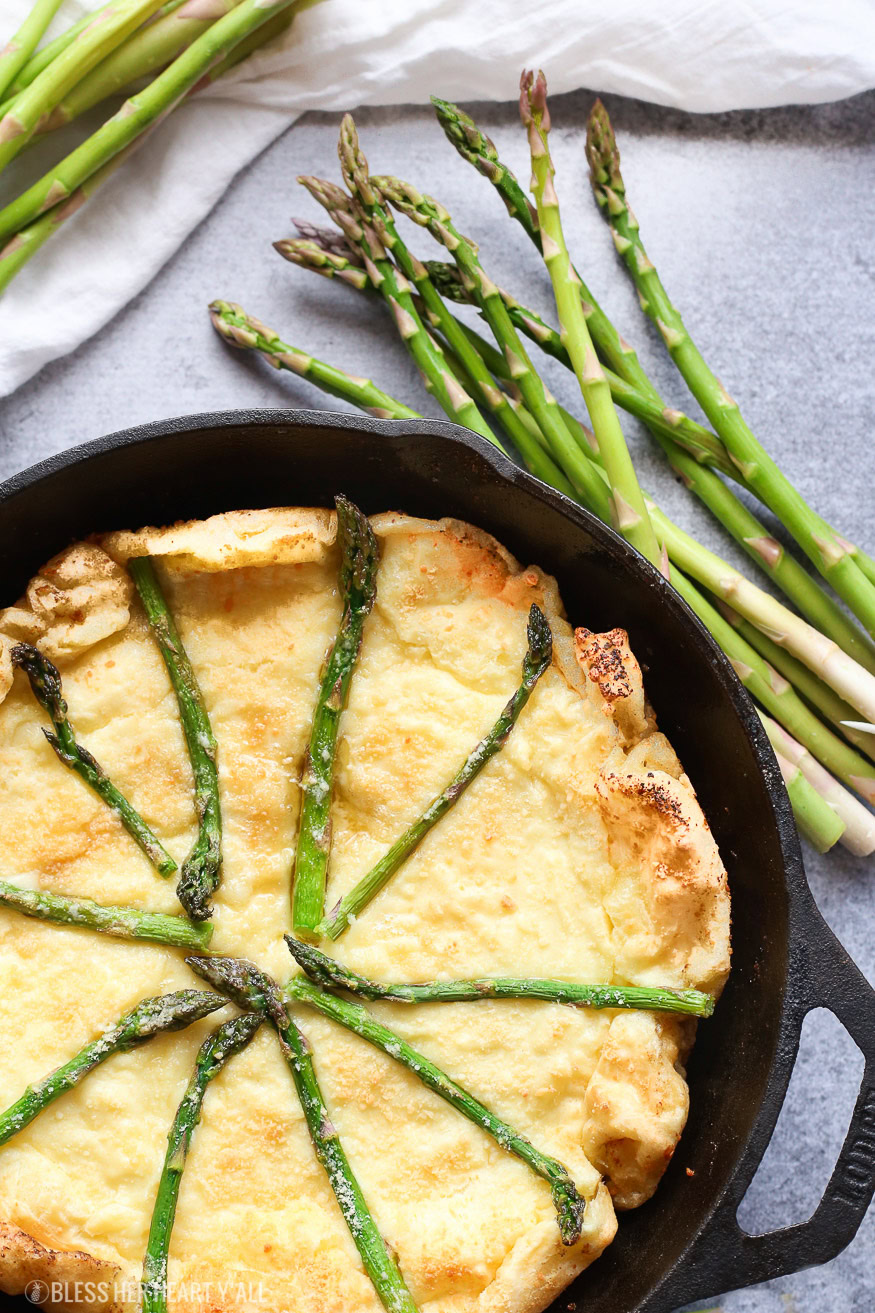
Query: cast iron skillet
x=686 y=1243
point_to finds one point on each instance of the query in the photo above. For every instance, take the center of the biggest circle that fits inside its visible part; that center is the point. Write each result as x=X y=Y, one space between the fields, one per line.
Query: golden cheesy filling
x=579 y=853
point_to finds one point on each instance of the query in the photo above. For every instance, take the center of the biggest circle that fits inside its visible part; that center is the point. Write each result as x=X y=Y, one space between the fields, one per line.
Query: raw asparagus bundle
x=184 y=43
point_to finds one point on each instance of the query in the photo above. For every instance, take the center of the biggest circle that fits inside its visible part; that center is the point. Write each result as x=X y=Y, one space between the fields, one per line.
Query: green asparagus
x=628 y=510
x=255 y=991
x=136 y=114
x=45 y=681
x=202 y=869
x=569 y=1204
x=538 y=656
x=21 y=46
x=331 y=974
x=357 y=586
x=215 y=1051
x=37 y=101
x=151 y=1017
x=816 y=538
x=120 y=922
x=241 y=330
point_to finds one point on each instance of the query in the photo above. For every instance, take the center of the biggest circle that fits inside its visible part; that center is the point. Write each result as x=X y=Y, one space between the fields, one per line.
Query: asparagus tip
x=602 y=152
x=540 y=639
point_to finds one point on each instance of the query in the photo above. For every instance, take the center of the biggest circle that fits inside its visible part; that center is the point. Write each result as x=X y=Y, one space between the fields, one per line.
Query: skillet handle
x=726 y=1257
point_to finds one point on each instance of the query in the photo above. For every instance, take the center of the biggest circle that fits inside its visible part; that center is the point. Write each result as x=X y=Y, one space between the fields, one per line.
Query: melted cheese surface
x=551 y=864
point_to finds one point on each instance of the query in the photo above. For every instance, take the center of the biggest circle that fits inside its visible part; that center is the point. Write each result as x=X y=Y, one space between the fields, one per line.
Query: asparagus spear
x=137 y=113
x=696 y=449
x=332 y=975
x=569 y=1204
x=49 y=52
x=327 y=239
x=475 y=147
x=357 y=586
x=816 y=538
x=241 y=330
x=475 y=375
x=151 y=1017
x=395 y=290
x=145 y=51
x=120 y=922
x=629 y=512
x=858 y=832
x=539 y=654
x=45 y=681
x=687 y=433
x=255 y=991
x=215 y=1051
x=19 y=49
x=92 y=44
x=844 y=675
x=426 y=212
x=815 y=818
x=812 y=689
x=308 y=254
x=778 y=696
x=202 y=869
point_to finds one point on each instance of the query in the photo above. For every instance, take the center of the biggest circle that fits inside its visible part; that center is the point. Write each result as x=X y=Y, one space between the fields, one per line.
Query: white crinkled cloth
x=694 y=54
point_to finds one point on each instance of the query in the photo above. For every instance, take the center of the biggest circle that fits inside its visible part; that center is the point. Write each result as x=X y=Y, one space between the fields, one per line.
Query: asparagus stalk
x=202 y=869
x=539 y=654
x=137 y=113
x=330 y=974
x=844 y=675
x=120 y=922
x=327 y=239
x=215 y=1051
x=357 y=585
x=778 y=696
x=145 y=51
x=815 y=818
x=629 y=512
x=687 y=433
x=475 y=374
x=45 y=681
x=569 y=1204
x=695 y=452
x=817 y=539
x=19 y=49
x=309 y=254
x=428 y=213
x=151 y=1017
x=858 y=832
x=813 y=690
x=37 y=101
x=41 y=58
x=25 y=244
x=241 y=330
x=475 y=147
x=255 y=991
x=395 y=290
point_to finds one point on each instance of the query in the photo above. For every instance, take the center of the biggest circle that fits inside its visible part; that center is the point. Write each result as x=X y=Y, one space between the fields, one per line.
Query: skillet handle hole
x=811 y=1129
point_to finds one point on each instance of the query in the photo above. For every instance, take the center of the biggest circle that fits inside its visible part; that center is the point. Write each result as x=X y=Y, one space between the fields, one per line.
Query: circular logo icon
x=37 y=1292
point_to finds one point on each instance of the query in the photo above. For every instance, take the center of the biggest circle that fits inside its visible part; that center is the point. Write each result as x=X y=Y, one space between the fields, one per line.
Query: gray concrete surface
x=761 y=224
